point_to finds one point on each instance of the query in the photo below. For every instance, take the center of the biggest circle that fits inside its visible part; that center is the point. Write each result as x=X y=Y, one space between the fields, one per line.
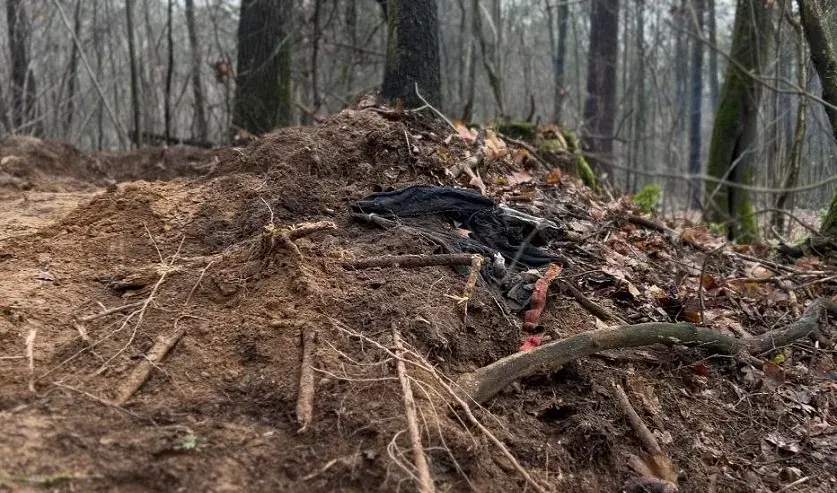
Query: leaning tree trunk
x=412 y=52
x=600 y=105
x=263 y=83
x=558 y=45
x=736 y=122
x=824 y=55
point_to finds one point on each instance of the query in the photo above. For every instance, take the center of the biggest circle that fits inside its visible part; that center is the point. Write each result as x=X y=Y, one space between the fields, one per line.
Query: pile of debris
x=330 y=307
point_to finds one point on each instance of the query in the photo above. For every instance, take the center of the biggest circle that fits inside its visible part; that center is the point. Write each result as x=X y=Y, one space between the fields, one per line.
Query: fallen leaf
x=554 y=176
x=464 y=132
x=519 y=177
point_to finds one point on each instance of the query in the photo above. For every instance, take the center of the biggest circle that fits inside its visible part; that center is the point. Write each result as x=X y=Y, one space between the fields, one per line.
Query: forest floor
x=104 y=257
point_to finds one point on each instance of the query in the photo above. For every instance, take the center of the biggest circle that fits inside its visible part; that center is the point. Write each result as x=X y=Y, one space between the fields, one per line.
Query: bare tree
x=197 y=87
x=696 y=102
x=600 y=105
x=132 y=59
x=736 y=122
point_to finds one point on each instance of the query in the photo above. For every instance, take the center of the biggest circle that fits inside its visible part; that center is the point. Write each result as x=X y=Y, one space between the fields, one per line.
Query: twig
x=305 y=398
x=118 y=309
x=82 y=332
x=787 y=487
x=419 y=459
x=408 y=261
x=533 y=153
x=275 y=235
x=595 y=309
x=198 y=283
x=642 y=431
x=438 y=113
x=483 y=383
x=141 y=373
x=30 y=355
x=473 y=275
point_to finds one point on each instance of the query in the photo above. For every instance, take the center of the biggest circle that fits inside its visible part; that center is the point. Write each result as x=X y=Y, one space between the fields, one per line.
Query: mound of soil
x=85 y=294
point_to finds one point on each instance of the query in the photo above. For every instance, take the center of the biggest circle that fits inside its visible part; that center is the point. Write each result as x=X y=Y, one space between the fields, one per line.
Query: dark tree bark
x=600 y=105
x=681 y=74
x=169 y=70
x=736 y=121
x=713 y=52
x=315 y=51
x=558 y=43
x=73 y=72
x=412 y=52
x=263 y=84
x=132 y=59
x=197 y=88
x=22 y=79
x=638 y=146
x=696 y=103
x=821 y=36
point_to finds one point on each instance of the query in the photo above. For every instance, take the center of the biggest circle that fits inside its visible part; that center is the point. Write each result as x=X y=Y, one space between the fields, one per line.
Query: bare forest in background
x=105 y=74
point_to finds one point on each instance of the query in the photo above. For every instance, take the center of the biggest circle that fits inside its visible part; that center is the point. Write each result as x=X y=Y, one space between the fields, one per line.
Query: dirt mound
x=85 y=301
x=29 y=163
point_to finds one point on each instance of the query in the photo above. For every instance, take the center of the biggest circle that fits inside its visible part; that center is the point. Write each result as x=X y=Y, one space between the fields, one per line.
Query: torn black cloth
x=500 y=229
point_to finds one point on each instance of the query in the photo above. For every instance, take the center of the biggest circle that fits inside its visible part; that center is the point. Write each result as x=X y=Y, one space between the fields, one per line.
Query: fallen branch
x=483 y=383
x=419 y=459
x=305 y=398
x=468 y=166
x=410 y=261
x=140 y=375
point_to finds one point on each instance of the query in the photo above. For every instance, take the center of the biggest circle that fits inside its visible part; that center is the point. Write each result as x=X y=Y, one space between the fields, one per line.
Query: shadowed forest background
x=111 y=75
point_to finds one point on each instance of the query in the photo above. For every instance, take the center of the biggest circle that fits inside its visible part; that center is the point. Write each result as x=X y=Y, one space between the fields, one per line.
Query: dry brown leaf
x=554 y=176
x=519 y=177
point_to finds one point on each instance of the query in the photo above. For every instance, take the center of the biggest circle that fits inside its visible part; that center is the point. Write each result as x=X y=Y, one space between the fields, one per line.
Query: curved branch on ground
x=483 y=383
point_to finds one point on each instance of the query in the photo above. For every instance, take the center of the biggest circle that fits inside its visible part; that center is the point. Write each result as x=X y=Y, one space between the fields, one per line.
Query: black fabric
x=490 y=226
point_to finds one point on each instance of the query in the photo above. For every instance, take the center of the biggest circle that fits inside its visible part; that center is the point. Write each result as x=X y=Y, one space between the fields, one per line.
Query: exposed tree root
x=275 y=237
x=305 y=399
x=473 y=275
x=419 y=459
x=483 y=383
x=141 y=373
x=408 y=261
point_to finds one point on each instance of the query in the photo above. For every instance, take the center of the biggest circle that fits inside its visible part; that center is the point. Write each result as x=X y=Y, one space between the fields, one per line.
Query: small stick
x=642 y=431
x=425 y=481
x=795 y=483
x=473 y=275
x=118 y=309
x=30 y=354
x=595 y=309
x=305 y=398
x=141 y=373
x=82 y=331
x=408 y=261
x=200 y=278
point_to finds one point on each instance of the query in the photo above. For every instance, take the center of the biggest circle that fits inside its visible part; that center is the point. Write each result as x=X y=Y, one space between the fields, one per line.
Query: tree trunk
x=73 y=75
x=263 y=84
x=736 y=122
x=22 y=80
x=681 y=79
x=132 y=59
x=600 y=105
x=169 y=71
x=315 y=51
x=558 y=43
x=488 y=50
x=824 y=56
x=823 y=53
x=713 y=53
x=197 y=88
x=638 y=145
x=413 y=52
x=696 y=102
